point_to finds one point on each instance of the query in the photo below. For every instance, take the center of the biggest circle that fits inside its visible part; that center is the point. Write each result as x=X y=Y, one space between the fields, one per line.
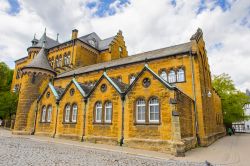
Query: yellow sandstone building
x=89 y=89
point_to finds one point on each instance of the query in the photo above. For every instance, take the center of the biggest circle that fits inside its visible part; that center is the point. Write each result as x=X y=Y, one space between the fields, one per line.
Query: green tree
x=232 y=99
x=6 y=75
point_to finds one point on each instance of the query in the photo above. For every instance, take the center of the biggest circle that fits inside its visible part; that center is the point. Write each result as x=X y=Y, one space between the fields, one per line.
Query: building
x=89 y=89
x=244 y=126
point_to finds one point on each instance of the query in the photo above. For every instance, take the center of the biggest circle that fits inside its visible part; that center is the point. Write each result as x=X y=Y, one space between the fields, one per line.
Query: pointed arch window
x=171 y=76
x=43 y=114
x=67 y=113
x=74 y=113
x=140 y=110
x=108 y=112
x=163 y=75
x=98 y=112
x=49 y=112
x=154 y=110
x=180 y=75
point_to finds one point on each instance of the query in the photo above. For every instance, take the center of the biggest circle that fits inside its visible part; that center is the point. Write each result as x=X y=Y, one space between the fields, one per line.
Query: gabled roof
x=147 y=68
x=55 y=90
x=49 y=42
x=119 y=86
x=150 y=55
x=100 y=44
x=83 y=89
x=40 y=62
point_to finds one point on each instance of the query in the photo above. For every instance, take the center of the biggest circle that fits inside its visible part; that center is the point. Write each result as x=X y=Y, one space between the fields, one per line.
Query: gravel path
x=24 y=151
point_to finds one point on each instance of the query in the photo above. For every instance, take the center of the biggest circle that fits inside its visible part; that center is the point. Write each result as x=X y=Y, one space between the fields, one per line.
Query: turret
x=36 y=76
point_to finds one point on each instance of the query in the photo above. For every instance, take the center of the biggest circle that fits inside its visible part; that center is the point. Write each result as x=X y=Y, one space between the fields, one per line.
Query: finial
x=34 y=35
x=45 y=31
x=57 y=36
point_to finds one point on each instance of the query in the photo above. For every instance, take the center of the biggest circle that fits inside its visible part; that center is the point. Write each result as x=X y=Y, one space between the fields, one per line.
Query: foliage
x=232 y=99
x=8 y=100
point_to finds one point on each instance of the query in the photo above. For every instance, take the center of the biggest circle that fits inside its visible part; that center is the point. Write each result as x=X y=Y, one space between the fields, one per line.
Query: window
x=108 y=112
x=67 y=113
x=146 y=82
x=120 y=51
x=49 y=113
x=153 y=110
x=180 y=75
x=74 y=113
x=57 y=62
x=65 y=60
x=43 y=114
x=92 y=42
x=98 y=112
x=171 y=76
x=60 y=62
x=132 y=78
x=140 y=111
x=163 y=75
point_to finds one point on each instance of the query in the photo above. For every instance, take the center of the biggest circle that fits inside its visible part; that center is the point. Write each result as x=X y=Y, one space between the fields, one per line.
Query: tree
x=6 y=75
x=232 y=99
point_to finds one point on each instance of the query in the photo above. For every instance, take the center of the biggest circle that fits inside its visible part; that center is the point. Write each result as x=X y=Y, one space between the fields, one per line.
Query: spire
x=45 y=31
x=57 y=35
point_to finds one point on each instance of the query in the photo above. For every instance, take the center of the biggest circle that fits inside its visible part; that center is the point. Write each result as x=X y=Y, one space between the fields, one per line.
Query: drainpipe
x=194 y=95
x=84 y=118
x=57 y=110
x=34 y=128
x=122 y=132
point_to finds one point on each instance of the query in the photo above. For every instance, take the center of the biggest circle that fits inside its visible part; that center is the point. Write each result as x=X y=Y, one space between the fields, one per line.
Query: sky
x=146 y=25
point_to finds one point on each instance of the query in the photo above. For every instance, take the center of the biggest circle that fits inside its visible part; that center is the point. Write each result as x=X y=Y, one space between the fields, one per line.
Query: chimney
x=74 y=34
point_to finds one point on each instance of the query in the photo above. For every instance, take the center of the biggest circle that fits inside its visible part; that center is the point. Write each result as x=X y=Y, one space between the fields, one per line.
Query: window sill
x=45 y=122
x=69 y=123
x=102 y=123
x=147 y=124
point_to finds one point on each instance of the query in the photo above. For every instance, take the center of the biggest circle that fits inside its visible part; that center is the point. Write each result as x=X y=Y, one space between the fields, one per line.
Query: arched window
x=68 y=59
x=98 y=112
x=132 y=78
x=171 y=76
x=67 y=113
x=49 y=112
x=180 y=75
x=108 y=112
x=60 y=61
x=57 y=62
x=74 y=113
x=140 y=110
x=43 y=114
x=163 y=75
x=154 y=110
x=65 y=60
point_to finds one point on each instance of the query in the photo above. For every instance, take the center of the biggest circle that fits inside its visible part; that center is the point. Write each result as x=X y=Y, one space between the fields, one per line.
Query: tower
x=36 y=76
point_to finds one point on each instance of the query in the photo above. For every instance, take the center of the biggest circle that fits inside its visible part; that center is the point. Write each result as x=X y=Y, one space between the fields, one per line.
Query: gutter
x=122 y=131
x=194 y=95
x=84 y=119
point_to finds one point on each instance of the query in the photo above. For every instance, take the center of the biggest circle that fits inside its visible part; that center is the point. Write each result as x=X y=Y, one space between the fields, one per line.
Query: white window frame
x=172 y=76
x=108 y=106
x=151 y=103
x=67 y=113
x=98 y=107
x=49 y=113
x=180 y=75
x=141 y=105
x=43 y=114
x=74 y=113
x=164 y=75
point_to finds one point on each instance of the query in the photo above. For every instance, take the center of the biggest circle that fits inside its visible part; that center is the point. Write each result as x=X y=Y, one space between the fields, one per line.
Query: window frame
x=183 y=74
x=136 y=112
x=171 y=76
x=100 y=109
x=43 y=114
x=149 y=109
x=74 y=113
x=160 y=74
x=65 y=113
x=105 y=112
x=49 y=113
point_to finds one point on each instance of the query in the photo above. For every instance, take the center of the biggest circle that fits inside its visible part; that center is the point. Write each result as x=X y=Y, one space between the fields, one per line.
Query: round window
x=146 y=82
x=48 y=94
x=103 y=87
x=72 y=91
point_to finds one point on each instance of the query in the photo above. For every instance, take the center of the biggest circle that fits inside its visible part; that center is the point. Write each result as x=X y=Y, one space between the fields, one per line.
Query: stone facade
x=95 y=94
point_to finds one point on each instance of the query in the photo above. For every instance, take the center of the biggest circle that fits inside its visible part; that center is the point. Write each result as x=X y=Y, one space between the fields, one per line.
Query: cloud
x=146 y=25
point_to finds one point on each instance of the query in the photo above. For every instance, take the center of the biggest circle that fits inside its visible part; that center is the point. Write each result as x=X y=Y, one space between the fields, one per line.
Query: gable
x=68 y=91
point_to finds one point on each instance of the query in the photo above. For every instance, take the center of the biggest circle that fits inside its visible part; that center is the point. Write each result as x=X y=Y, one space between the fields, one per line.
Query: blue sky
x=146 y=25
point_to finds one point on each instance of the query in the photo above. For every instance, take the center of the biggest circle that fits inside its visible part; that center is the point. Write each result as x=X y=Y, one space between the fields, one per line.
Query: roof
x=99 y=43
x=150 y=55
x=49 y=43
x=40 y=61
x=56 y=91
x=122 y=86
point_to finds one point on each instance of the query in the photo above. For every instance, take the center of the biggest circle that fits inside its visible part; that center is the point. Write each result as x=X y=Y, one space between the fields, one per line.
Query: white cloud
x=146 y=25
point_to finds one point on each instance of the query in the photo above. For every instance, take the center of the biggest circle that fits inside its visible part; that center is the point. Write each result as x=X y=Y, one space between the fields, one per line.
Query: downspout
x=194 y=95
x=122 y=131
x=34 y=129
x=84 y=118
x=57 y=110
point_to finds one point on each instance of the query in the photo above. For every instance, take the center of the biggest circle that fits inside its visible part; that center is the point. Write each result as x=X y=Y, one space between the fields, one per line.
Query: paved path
x=34 y=150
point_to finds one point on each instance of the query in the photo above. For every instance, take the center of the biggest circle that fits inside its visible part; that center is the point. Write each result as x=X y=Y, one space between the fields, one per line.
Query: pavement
x=231 y=151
